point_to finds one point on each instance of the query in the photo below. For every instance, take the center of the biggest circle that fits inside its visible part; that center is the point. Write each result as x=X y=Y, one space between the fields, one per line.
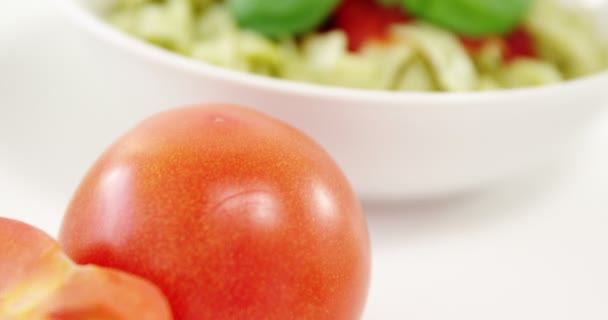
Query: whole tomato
x=233 y=214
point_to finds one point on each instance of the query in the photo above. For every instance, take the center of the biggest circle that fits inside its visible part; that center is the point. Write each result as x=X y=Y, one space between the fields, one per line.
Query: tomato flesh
x=37 y=281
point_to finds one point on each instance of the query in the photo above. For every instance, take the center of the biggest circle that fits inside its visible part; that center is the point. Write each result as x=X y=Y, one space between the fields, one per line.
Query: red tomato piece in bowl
x=366 y=20
x=518 y=44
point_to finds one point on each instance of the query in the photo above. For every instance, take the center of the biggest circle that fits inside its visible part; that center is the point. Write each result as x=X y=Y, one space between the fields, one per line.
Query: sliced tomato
x=365 y=20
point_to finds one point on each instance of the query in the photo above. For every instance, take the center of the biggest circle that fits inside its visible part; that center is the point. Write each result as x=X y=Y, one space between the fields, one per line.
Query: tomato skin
x=233 y=214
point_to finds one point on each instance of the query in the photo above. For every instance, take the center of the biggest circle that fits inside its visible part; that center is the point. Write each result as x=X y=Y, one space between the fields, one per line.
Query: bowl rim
x=103 y=30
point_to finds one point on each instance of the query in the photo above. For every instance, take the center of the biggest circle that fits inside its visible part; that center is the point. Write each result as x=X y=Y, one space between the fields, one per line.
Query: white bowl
x=389 y=144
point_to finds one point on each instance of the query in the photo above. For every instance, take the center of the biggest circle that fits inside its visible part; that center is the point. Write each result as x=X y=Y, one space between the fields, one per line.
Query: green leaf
x=281 y=18
x=471 y=17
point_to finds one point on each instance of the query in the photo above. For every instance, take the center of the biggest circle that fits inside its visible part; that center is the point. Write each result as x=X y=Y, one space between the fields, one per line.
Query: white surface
x=387 y=143
x=532 y=249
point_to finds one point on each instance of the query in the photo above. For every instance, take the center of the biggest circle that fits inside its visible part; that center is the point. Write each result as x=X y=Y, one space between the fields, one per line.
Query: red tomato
x=515 y=45
x=519 y=44
x=233 y=214
x=365 y=20
x=37 y=281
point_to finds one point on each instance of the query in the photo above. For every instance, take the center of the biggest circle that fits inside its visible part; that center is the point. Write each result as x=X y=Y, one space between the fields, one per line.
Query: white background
x=535 y=248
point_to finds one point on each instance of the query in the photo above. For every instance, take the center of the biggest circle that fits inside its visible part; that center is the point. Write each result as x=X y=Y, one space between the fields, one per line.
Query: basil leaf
x=471 y=17
x=281 y=18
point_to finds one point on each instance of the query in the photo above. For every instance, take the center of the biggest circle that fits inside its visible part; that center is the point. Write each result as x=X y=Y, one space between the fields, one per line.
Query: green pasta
x=420 y=57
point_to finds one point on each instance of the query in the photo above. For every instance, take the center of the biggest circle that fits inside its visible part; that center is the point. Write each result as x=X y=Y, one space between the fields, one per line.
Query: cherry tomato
x=365 y=20
x=233 y=214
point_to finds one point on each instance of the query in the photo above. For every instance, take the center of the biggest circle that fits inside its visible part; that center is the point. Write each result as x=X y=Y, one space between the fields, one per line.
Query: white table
x=531 y=249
